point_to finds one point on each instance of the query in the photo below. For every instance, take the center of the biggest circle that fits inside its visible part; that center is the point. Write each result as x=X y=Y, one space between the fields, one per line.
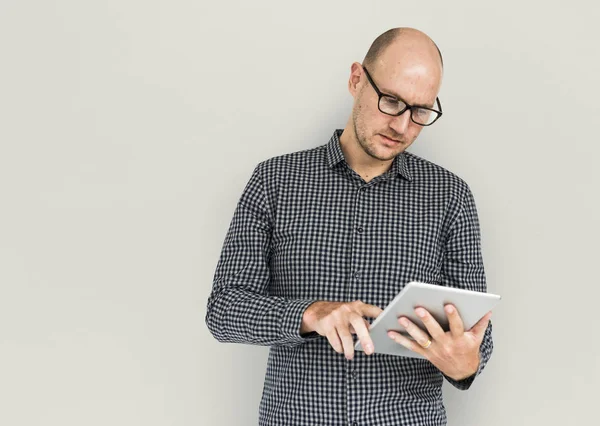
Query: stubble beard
x=364 y=143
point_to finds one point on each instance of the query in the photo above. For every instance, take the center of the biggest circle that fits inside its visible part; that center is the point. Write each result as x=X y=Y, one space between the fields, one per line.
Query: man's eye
x=391 y=101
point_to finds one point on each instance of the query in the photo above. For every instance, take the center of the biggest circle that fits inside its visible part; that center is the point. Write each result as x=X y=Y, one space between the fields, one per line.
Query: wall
x=129 y=129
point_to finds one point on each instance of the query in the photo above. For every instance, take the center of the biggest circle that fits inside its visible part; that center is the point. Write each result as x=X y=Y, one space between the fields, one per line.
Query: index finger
x=363 y=334
x=457 y=327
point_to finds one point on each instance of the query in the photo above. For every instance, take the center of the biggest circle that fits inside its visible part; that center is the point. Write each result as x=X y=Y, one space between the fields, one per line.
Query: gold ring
x=428 y=344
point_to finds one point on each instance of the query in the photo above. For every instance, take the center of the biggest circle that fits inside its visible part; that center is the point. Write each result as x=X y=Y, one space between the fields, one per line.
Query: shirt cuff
x=291 y=322
x=465 y=383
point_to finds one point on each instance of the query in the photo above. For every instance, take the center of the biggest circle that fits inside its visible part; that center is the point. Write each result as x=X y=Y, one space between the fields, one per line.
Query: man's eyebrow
x=395 y=95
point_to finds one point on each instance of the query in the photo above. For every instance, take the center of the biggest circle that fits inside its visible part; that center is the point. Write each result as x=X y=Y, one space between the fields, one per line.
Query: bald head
x=402 y=37
x=403 y=64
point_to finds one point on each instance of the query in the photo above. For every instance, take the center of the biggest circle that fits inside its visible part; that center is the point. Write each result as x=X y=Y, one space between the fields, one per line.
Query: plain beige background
x=129 y=129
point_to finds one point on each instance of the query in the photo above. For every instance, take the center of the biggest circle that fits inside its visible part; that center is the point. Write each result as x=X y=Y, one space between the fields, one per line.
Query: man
x=321 y=239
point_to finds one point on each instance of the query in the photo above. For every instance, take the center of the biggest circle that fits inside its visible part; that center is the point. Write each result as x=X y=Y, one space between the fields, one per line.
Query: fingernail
x=368 y=348
x=404 y=322
x=421 y=312
x=449 y=309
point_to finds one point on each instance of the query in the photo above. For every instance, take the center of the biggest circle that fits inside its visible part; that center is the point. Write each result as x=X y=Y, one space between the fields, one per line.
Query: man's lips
x=388 y=139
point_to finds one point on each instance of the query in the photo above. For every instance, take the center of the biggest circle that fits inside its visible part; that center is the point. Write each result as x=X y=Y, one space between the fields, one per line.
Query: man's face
x=415 y=82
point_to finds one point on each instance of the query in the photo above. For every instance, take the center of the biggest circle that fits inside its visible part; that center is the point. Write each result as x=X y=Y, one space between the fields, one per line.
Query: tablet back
x=471 y=306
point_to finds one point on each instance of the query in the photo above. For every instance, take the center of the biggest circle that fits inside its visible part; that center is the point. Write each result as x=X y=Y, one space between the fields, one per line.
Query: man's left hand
x=456 y=352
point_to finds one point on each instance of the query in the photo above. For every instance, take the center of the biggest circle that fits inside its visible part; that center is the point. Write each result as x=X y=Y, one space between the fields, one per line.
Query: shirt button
x=354 y=374
x=359 y=229
x=357 y=274
x=354 y=423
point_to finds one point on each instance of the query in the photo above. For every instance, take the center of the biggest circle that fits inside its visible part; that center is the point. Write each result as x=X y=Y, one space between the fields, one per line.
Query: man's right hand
x=337 y=320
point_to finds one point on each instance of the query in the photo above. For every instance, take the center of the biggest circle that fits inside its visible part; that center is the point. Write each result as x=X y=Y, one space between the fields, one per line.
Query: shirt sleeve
x=240 y=308
x=463 y=268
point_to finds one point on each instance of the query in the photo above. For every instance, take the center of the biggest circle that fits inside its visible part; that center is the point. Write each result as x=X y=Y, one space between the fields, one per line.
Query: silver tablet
x=471 y=306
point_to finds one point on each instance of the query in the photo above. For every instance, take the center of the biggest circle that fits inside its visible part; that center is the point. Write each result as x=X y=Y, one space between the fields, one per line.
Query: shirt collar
x=335 y=155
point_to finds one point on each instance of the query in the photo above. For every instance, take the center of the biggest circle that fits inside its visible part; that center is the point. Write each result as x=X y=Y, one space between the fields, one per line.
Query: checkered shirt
x=307 y=227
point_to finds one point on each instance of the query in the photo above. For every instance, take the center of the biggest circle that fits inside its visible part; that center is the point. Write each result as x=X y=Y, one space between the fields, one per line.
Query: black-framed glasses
x=392 y=105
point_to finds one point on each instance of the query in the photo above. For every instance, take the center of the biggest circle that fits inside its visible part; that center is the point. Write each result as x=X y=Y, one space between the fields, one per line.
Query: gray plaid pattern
x=306 y=228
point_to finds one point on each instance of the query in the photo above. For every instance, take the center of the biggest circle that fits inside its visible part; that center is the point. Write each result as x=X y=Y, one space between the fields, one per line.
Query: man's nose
x=401 y=122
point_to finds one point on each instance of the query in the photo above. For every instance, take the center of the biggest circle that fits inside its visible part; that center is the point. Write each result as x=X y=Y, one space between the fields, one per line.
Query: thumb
x=370 y=310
